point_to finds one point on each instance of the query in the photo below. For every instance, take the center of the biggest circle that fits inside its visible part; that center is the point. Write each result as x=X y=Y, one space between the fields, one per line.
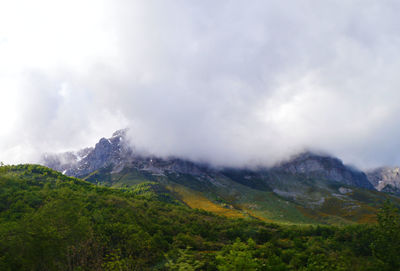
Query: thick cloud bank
x=229 y=82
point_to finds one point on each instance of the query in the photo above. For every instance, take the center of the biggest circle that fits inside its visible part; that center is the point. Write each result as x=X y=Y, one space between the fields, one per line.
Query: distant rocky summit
x=117 y=153
x=66 y=161
x=112 y=151
x=327 y=167
x=386 y=179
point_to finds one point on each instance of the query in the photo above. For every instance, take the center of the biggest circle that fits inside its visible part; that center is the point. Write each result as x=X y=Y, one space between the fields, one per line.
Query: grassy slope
x=232 y=199
x=297 y=200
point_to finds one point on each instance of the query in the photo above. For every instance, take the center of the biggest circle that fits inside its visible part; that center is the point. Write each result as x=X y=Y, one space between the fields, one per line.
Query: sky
x=227 y=82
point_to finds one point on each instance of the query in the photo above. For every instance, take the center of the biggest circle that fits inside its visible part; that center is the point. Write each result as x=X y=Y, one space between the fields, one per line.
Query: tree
x=185 y=262
x=386 y=246
x=238 y=257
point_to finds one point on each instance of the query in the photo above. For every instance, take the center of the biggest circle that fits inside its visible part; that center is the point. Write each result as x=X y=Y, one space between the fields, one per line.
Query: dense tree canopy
x=52 y=222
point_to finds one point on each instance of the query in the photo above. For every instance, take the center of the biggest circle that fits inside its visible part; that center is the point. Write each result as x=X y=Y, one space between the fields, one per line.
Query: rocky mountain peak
x=310 y=162
x=327 y=167
x=120 y=133
x=117 y=153
x=108 y=151
x=385 y=178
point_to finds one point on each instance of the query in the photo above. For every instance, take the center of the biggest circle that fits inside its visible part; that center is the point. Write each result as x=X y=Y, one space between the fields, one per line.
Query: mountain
x=386 y=179
x=65 y=161
x=307 y=188
x=327 y=167
x=106 y=152
x=117 y=153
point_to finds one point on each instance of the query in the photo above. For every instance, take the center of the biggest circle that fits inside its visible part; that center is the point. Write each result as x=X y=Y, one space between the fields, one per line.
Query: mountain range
x=307 y=188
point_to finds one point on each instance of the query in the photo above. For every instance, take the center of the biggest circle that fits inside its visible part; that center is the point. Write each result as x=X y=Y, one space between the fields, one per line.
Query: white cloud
x=230 y=82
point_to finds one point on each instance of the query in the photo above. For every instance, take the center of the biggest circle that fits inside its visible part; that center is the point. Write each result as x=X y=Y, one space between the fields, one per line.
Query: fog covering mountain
x=116 y=152
x=306 y=188
x=233 y=81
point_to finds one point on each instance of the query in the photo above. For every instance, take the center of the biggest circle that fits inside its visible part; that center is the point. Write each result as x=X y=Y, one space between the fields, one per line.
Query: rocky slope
x=112 y=151
x=385 y=179
x=322 y=166
x=115 y=152
x=64 y=162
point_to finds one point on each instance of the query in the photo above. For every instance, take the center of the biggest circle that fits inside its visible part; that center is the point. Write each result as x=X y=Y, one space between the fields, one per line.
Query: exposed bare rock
x=385 y=178
x=327 y=167
x=65 y=161
x=344 y=190
x=115 y=152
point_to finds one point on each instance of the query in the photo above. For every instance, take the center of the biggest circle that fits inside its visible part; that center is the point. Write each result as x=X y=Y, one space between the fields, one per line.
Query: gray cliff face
x=385 y=179
x=107 y=152
x=65 y=161
x=158 y=165
x=116 y=153
x=113 y=151
x=330 y=168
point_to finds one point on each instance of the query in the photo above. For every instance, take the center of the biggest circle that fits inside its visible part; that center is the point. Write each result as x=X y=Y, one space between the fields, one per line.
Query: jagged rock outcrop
x=115 y=152
x=158 y=165
x=327 y=167
x=385 y=179
x=65 y=161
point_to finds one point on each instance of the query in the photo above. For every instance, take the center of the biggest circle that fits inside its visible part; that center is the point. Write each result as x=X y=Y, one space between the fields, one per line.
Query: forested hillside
x=52 y=222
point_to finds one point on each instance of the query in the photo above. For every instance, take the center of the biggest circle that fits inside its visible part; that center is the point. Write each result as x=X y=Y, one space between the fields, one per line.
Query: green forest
x=49 y=221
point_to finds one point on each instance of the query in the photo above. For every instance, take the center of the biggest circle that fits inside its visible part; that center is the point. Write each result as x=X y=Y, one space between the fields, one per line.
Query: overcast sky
x=229 y=82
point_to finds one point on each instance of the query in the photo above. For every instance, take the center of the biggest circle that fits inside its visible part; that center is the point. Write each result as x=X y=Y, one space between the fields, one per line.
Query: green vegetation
x=273 y=197
x=52 y=222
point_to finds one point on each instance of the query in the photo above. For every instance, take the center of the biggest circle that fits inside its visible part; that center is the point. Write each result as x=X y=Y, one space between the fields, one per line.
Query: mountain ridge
x=116 y=152
x=307 y=188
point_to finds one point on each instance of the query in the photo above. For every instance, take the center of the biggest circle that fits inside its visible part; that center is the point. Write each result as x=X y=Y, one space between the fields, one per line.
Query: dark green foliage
x=238 y=256
x=186 y=260
x=52 y=222
x=386 y=246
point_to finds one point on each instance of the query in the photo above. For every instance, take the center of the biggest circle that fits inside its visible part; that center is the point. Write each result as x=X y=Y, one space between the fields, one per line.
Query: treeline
x=52 y=222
